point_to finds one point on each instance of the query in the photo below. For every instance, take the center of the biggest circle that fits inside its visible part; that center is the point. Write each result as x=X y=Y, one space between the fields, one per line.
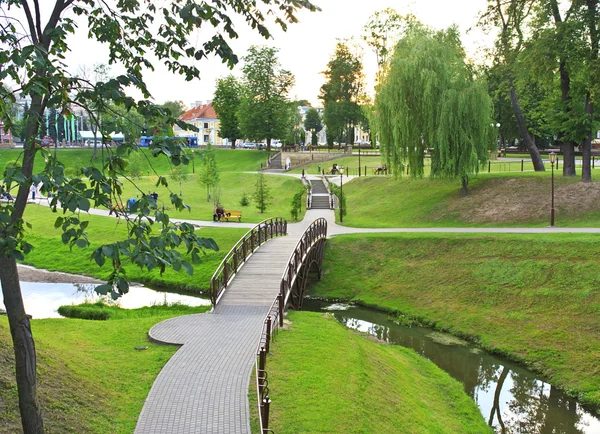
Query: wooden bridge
x=204 y=386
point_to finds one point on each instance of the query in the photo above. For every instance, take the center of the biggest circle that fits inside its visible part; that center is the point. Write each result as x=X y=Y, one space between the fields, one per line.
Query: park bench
x=231 y=214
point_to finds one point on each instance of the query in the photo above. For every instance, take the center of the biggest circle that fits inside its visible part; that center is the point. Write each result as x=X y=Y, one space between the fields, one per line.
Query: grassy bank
x=532 y=298
x=323 y=378
x=51 y=254
x=91 y=377
x=494 y=200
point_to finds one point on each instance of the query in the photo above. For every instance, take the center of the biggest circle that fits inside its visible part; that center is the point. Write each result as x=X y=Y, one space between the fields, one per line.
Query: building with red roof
x=203 y=117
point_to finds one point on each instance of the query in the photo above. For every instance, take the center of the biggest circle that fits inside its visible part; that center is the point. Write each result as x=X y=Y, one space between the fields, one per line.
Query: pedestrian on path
x=33 y=190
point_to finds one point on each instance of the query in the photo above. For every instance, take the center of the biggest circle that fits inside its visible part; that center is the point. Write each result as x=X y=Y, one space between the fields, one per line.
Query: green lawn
x=534 y=298
x=49 y=252
x=324 y=378
x=91 y=377
x=506 y=199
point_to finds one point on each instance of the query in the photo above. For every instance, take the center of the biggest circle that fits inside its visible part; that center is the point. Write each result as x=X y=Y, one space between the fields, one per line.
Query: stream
x=43 y=299
x=511 y=399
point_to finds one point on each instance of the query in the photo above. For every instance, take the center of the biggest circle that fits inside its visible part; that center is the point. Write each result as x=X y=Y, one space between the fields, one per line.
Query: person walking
x=33 y=190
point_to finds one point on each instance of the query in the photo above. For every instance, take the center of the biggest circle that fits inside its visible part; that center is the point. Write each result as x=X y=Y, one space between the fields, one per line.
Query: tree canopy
x=342 y=94
x=33 y=43
x=430 y=102
x=226 y=102
x=263 y=112
x=312 y=122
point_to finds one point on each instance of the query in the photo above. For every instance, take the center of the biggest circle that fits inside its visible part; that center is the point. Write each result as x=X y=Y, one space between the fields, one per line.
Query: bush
x=245 y=200
x=296 y=205
x=85 y=311
x=336 y=191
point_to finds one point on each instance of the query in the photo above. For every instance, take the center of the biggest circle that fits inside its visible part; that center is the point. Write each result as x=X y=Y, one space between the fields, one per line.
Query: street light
x=497 y=125
x=552 y=159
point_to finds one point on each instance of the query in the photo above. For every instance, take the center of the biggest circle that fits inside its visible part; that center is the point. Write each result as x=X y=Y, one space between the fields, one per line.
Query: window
x=205 y=138
x=205 y=125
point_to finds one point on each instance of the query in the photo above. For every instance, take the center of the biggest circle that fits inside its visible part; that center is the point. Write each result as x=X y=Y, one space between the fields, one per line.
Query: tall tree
x=266 y=87
x=510 y=18
x=429 y=100
x=34 y=61
x=312 y=123
x=342 y=94
x=226 y=102
x=382 y=32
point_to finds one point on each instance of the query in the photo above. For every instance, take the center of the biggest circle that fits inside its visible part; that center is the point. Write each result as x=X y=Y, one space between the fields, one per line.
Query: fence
x=238 y=255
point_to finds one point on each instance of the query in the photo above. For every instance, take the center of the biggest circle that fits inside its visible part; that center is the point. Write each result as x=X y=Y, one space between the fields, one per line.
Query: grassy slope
x=234 y=182
x=91 y=379
x=49 y=252
x=323 y=378
x=533 y=298
x=494 y=200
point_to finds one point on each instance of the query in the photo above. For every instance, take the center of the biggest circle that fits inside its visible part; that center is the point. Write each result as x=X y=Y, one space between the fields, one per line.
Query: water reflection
x=43 y=299
x=510 y=398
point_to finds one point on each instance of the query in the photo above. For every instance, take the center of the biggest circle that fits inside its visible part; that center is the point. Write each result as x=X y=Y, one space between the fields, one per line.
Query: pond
x=510 y=397
x=43 y=299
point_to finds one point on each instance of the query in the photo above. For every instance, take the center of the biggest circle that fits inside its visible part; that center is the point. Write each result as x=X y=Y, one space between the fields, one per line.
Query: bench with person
x=380 y=170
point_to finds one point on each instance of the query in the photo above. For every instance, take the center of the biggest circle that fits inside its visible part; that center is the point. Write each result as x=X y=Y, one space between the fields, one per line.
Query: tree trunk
x=586 y=159
x=24 y=347
x=233 y=143
x=496 y=404
x=568 y=147
x=464 y=187
x=536 y=159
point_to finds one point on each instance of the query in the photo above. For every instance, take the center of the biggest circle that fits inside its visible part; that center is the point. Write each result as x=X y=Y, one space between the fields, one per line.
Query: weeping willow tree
x=429 y=101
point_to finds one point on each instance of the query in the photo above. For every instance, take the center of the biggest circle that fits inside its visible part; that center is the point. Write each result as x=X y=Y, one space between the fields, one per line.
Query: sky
x=305 y=48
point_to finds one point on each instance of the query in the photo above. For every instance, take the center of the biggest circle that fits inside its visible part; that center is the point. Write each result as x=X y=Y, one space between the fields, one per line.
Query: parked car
x=249 y=145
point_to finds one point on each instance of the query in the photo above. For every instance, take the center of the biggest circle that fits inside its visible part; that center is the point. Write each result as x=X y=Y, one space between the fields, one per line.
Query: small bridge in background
x=203 y=388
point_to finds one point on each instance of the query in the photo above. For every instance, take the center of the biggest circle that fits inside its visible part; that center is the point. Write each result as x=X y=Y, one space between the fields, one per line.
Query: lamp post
x=552 y=159
x=497 y=126
x=341 y=198
x=359 y=161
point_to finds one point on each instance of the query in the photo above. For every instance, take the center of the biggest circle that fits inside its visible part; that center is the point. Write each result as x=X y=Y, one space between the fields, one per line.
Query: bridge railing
x=239 y=253
x=315 y=232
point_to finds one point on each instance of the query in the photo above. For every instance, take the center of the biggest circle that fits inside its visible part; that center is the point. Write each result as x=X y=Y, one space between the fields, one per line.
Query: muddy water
x=510 y=397
x=43 y=299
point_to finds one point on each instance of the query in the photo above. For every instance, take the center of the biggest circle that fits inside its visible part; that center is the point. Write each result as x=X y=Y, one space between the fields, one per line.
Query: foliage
x=297 y=205
x=262 y=196
x=33 y=43
x=209 y=172
x=342 y=94
x=117 y=118
x=245 y=200
x=266 y=87
x=337 y=191
x=176 y=108
x=226 y=102
x=430 y=101
x=312 y=123
x=382 y=32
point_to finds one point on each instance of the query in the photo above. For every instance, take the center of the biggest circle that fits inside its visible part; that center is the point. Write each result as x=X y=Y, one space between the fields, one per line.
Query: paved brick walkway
x=203 y=388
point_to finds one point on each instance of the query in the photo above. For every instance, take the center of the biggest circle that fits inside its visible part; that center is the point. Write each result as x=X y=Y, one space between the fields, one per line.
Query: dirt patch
x=30 y=274
x=506 y=200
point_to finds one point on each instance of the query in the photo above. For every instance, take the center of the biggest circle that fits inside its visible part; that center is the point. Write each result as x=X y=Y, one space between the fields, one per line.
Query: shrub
x=85 y=311
x=296 y=205
x=245 y=200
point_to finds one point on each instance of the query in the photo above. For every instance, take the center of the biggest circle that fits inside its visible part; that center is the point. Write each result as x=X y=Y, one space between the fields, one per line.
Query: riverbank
x=533 y=299
x=324 y=378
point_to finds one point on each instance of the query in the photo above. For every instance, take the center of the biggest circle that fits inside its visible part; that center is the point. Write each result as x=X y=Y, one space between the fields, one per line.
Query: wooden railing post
x=268 y=339
x=280 y=303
